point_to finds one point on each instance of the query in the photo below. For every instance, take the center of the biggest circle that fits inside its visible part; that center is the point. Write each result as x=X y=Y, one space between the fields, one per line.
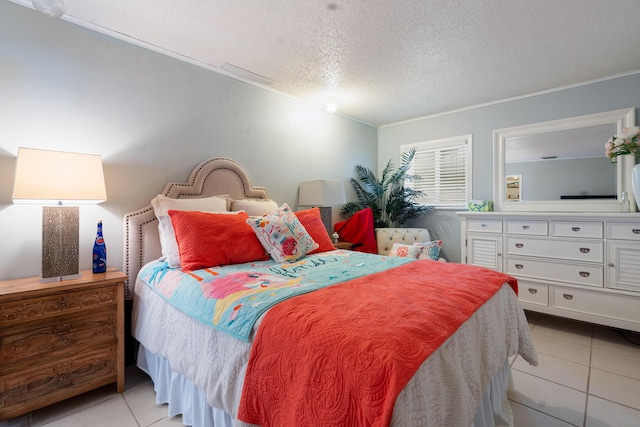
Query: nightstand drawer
x=47 y=306
x=56 y=338
x=47 y=383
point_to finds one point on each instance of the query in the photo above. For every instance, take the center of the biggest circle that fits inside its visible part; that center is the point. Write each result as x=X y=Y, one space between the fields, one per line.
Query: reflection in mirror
x=512 y=188
x=561 y=165
x=564 y=164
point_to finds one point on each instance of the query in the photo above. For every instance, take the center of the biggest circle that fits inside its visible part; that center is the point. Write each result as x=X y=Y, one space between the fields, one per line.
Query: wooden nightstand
x=344 y=245
x=59 y=339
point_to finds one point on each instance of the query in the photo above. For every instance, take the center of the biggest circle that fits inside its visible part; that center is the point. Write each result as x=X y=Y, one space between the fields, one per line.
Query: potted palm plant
x=392 y=202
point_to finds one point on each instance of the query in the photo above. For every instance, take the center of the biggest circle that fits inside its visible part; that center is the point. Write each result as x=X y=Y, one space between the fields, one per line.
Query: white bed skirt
x=183 y=397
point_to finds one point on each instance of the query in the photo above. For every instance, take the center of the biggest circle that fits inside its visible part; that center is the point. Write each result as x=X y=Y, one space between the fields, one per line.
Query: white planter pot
x=635 y=183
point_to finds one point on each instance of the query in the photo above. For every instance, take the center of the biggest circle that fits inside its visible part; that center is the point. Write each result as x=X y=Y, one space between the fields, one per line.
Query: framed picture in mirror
x=513 y=188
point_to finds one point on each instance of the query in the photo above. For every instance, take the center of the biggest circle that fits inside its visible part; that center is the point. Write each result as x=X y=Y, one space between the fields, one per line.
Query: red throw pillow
x=359 y=230
x=312 y=221
x=213 y=239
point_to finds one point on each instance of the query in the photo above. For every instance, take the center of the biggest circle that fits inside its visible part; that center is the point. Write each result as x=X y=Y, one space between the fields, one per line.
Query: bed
x=200 y=370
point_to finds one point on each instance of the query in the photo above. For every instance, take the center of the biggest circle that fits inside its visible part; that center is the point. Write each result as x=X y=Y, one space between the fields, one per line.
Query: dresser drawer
x=533 y=293
x=623 y=230
x=580 y=274
x=51 y=305
x=531 y=227
x=56 y=338
x=593 y=230
x=613 y=306
x=587 y=251
x=485 y=225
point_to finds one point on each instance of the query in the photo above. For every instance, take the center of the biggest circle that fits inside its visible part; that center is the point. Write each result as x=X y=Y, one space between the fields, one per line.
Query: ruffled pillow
x=213 y=239
x=161 y=206
x=405 y=251
x=430 y=250
x=282 y=235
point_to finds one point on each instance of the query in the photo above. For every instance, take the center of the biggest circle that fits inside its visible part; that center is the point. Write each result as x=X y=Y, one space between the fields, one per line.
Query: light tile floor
x=588 y=376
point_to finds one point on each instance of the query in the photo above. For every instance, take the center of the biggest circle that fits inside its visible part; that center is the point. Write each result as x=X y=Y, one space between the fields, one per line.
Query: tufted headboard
x=212 y=177
x=386 y=237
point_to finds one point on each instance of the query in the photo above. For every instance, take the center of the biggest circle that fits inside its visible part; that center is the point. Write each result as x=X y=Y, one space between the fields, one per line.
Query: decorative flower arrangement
x=626 y=142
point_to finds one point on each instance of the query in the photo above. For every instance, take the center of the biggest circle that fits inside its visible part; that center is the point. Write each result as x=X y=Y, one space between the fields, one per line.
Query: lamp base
x=325 y=215
x=60 y=236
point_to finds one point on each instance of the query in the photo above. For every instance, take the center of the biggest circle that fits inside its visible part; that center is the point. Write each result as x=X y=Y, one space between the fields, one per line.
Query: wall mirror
x=560 y=165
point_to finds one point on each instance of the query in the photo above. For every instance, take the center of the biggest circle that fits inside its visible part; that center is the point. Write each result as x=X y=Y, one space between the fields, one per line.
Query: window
x=444 y=169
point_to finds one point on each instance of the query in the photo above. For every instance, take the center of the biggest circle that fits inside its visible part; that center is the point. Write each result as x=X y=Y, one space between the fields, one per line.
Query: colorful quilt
x=341 y=356
x=233 y=297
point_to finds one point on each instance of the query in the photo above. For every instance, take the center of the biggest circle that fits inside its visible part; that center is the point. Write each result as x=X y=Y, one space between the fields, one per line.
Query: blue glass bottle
x=99 y=252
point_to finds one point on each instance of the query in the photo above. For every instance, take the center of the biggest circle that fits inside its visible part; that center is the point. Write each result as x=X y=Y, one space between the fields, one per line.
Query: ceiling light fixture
x=49 y=8
x=332 y=104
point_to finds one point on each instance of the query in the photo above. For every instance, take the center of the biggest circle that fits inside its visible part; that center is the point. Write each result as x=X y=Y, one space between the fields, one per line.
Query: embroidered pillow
x=430 y=250
x=255 y=207
x=405 y=251
x=282 y=235
x=161 y=206
x=312 y=222
x=213 y=239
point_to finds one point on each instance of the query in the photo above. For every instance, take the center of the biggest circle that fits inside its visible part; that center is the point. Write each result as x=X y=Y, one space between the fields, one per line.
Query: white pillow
x=161 y=206
x=255 y=207
x=430 y=250
x=405 y=251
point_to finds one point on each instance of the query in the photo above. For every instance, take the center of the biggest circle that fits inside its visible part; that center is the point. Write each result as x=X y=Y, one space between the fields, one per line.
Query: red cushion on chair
x=359 y=230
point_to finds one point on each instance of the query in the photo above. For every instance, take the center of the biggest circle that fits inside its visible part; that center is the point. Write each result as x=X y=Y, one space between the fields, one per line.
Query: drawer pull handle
x=585 y=250
x=519 y=245
x=585 y=273
x=636 y=230
x=483 y=225
x=611 y=264
x=567 y=296
x=576 y=229
x=525 y=227
x=519 y=266
x=533 y=291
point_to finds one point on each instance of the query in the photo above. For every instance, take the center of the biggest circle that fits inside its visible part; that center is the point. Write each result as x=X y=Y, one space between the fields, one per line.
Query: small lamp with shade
x=60 y=179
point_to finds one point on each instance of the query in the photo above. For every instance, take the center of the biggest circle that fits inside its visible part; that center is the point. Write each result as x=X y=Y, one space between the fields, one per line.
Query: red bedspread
x=339 y=356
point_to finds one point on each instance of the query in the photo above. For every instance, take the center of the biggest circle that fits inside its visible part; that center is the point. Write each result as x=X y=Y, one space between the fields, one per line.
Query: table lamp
x=322 y=193
x=60 y=179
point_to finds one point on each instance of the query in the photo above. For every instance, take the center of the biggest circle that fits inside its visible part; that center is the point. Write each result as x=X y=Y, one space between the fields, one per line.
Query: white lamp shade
x=44 y=177
x=324 y=192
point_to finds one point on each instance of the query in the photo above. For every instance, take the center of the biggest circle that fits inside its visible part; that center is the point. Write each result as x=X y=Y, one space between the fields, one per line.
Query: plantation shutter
x=443 y=168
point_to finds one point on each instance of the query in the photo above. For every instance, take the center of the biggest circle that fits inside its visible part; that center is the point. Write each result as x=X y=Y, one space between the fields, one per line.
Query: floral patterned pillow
x=430 y=250
x=282 y=235
x=405 y=251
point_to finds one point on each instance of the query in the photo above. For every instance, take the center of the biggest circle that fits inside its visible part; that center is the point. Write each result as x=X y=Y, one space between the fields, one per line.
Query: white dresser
x=575 y=265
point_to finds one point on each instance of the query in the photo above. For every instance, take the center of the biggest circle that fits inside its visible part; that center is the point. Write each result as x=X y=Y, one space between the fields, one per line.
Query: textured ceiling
x=385 y=60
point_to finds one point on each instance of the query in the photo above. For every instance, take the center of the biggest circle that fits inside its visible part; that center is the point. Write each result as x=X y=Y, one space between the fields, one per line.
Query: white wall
x=152 y=118
x=613 y=94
